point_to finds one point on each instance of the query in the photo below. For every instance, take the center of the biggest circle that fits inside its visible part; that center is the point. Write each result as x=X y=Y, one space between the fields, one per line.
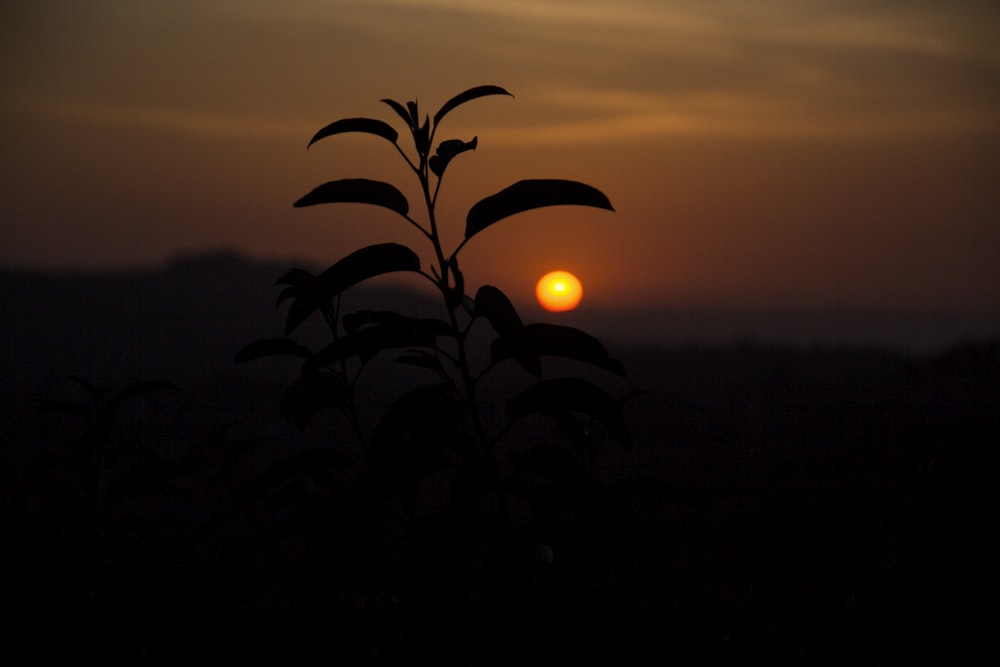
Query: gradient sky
x=778 y=152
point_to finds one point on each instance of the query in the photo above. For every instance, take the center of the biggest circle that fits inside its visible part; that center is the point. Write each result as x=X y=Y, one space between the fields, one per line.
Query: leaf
x=301 y=309
x=301 y=287
x=366 y=342
x=357 y=191
x=362 y=318
x=368 y=125
x=368 y=262
x=467 y=96
x=447 y=150
x=400 y=111
x=299 y=283
x=494 y=305
x=289 y=292
x=272 y=347
x=468 y=305
x=422 y=137
x=555 y=340
x=531 y=194
x=360 y=265
x=455 y=295
x=295 y=277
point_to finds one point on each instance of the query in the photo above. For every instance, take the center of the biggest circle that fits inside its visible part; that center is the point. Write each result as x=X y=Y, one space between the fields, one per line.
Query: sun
x=558 y=291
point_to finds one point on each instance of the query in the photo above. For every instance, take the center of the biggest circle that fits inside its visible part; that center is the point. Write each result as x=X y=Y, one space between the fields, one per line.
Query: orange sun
x=558 y=291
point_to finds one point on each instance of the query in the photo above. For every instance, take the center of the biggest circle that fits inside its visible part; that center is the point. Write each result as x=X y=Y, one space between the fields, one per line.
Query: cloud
x=583 y=70
x=185 y=121
x=603 y=70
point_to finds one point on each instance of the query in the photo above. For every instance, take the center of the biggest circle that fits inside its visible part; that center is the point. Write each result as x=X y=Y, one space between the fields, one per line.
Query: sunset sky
x=804 y=153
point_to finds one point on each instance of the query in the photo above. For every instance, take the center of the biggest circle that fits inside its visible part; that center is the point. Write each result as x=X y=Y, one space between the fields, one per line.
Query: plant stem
x=472 y=404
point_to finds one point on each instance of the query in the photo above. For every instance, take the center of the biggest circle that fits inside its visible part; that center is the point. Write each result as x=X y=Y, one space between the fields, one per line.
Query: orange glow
x=558 y=291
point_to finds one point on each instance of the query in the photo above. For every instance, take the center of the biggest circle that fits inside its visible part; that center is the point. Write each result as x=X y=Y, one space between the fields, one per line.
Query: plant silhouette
x=445 y=414
x=482 y=505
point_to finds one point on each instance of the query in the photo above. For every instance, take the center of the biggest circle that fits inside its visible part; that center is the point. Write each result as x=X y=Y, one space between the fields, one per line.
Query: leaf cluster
x=443 y=415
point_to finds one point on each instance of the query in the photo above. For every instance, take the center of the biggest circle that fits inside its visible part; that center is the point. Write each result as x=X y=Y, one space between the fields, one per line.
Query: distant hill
x=188 y=319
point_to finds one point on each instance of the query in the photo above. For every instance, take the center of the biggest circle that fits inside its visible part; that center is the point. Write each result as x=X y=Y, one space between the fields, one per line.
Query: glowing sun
x=558 y=291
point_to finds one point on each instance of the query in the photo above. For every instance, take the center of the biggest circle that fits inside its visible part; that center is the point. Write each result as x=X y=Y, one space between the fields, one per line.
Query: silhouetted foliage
x=329 y=375
x=432 y=447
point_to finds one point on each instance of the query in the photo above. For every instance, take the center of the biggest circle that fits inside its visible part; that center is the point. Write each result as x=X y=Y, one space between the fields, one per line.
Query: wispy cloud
x=734 y=116
x=605 y=70
x=185 y=121
x=898 y=26
x=602 y=70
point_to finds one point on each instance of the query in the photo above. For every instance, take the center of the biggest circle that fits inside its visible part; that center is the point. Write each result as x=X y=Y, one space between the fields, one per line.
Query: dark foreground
x=777 y=504
x=813 y=505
